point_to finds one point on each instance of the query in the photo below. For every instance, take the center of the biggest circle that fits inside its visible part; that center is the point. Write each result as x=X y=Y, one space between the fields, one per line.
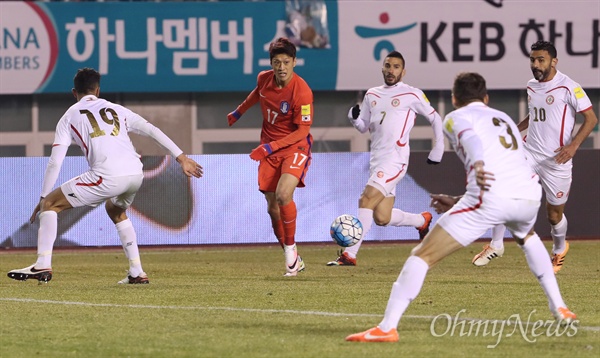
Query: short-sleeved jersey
x=99 y=128
x=389 y=113
x=552 y=109
x=284 y=109
x=503 y=152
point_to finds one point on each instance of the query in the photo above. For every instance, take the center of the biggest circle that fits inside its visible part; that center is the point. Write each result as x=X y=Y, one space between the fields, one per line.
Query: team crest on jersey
x=284 y=107
x=550 y=99
x=560 y=194
x=373 y=104
x=380 y=174
x=395 y=102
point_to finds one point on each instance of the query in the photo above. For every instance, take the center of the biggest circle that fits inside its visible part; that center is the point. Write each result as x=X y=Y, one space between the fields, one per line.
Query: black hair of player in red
x=282 y=46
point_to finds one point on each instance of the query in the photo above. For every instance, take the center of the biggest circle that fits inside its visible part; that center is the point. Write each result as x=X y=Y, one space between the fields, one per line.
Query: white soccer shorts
x=386 y=177
x=470 y=217
x=90 y=189
x=555 y=178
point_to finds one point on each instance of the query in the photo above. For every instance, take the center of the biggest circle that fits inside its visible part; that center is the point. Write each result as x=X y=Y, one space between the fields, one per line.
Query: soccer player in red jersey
x=284 y=153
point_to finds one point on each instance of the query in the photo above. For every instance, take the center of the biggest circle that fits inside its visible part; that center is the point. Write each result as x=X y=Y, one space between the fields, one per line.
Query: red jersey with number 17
x=284 y=109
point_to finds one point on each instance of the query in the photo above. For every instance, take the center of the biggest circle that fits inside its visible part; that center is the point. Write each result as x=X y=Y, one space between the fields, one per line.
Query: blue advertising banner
x=150 y=47
x=222 y=46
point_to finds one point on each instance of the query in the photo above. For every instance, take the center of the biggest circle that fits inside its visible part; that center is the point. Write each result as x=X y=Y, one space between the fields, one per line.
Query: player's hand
x=233 y=117
x=442 y=202
x=261 y=152
x=36 y=211
x=355 y=111
x=482 y=177
x=189 y=166
x=565 y=154
x=429 y=161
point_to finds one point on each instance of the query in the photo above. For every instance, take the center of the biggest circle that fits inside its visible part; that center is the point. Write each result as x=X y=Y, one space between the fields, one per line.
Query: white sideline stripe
x=210 y=308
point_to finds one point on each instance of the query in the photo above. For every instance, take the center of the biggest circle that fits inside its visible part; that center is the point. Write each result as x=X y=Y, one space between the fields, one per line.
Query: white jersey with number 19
x=100 y=129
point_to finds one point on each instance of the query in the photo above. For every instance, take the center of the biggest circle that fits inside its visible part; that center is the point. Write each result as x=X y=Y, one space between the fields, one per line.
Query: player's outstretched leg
x=540 y=266
x=46 y=237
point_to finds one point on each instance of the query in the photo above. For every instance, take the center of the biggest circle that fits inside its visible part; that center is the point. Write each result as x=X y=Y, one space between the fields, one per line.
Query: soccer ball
x=346 y=230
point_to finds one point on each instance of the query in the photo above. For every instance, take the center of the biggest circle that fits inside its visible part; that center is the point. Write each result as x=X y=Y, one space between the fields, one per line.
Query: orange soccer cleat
x=559 y=259
x=374 y=335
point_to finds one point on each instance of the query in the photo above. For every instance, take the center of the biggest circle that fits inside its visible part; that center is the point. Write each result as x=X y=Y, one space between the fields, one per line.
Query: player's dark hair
x=282 y=46
x=86 y=80
x=544 y=46
x=397 y=54
x=468 y=87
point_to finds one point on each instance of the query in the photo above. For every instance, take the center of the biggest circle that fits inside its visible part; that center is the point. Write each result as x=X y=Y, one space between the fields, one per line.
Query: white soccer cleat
x=484 y=257
x=298 y=266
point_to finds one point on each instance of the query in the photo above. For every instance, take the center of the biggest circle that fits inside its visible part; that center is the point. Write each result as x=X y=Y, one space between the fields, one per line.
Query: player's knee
x=366 y=202
x=554 y=217
x=381 y=221
x=115 y=213
x=283 y=197
x=46 y=205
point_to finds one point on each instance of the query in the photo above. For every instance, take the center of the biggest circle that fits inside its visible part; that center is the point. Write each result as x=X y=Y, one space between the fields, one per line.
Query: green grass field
x=234 y=302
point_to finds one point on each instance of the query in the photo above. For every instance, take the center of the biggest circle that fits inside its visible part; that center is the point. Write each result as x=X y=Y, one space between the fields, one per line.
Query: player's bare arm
x=524 y=124
x=443 y=202
x=36 y=210
x=189 y=166
x=567 y=152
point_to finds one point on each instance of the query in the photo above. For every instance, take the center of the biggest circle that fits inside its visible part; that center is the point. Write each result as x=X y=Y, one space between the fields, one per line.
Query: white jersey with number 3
x=389 y=113
x=503 y=152
x=552 y=109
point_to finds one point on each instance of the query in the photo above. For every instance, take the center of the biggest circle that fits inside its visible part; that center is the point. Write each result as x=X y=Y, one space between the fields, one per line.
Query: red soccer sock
x=278 y=230
x=288 y=217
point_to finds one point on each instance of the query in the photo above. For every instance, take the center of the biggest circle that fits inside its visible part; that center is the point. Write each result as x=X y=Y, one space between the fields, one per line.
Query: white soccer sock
x=46 y=237
x=130 y=246
x=498 y=237
x=365 y=216
x=559 y=236
x=291 y=253
x=541 y=266
x=405 y=289
x=402 y=218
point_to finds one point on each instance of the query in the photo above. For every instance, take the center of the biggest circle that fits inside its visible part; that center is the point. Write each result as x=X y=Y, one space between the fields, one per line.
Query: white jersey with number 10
x=552 y=109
